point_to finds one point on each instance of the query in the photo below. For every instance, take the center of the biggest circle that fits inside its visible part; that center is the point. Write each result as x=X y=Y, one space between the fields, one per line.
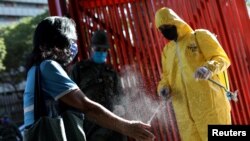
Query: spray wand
x=230 y=95
x=156 y=111
x=165 y=97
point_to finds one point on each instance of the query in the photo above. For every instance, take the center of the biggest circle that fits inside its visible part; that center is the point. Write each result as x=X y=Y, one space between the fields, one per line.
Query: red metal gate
x=137 y=43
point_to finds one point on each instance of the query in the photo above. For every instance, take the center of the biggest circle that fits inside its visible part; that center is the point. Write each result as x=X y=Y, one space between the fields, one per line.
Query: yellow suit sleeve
x=217 y=60
x=164 y=81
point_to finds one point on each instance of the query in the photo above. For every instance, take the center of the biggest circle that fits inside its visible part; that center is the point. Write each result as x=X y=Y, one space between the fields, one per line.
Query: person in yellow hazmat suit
x=188 y=60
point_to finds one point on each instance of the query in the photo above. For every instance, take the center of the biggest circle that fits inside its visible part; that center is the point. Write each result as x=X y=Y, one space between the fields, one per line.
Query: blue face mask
x=99 y=57
x=73 y=50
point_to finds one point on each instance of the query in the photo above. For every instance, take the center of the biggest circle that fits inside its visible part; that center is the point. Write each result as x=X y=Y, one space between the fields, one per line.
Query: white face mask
x=73 y=50
x=71 y=53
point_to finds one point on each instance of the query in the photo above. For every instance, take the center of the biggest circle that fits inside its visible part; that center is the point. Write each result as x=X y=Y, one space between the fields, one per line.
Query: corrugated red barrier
x=135 y=42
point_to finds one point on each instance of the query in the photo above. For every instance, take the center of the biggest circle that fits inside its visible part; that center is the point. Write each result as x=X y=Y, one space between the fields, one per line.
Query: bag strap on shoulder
x=39 y=101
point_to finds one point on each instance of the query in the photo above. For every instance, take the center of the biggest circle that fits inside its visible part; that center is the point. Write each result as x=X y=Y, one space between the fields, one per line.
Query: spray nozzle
x=230 y=95
x=164 y=97
x=154 y=114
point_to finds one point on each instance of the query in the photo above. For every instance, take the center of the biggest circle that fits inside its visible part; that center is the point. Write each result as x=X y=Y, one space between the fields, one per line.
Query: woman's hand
x=139 y=131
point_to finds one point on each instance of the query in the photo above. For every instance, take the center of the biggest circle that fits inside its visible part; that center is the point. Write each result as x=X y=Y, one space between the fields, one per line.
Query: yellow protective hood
x=166 y=16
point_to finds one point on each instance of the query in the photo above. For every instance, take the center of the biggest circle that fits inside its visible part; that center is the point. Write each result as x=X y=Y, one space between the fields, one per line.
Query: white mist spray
x=140 y=104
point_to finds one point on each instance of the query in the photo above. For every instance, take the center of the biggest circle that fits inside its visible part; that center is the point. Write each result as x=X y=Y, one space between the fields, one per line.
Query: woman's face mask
x=73 y=50
x=169 y=32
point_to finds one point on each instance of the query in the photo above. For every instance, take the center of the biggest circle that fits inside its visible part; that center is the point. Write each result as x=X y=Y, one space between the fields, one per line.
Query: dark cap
x=100 y=39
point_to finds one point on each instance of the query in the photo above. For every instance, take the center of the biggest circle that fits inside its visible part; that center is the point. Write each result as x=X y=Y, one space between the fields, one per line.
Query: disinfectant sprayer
x=164 y=98
x=156 y=111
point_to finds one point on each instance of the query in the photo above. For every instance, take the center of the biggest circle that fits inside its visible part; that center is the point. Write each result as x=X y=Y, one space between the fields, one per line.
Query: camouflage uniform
x=100 y=83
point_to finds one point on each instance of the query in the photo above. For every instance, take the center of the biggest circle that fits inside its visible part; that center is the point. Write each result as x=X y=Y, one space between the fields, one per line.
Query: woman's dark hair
x=51 y=40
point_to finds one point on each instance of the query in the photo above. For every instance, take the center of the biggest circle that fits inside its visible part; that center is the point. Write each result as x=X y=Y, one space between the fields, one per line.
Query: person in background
x=8 y=130
x=189 y=59
x=100 y=83
x=54 y=48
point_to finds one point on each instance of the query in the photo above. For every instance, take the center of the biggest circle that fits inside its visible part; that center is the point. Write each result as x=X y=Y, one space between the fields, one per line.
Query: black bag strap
x=39 y=101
